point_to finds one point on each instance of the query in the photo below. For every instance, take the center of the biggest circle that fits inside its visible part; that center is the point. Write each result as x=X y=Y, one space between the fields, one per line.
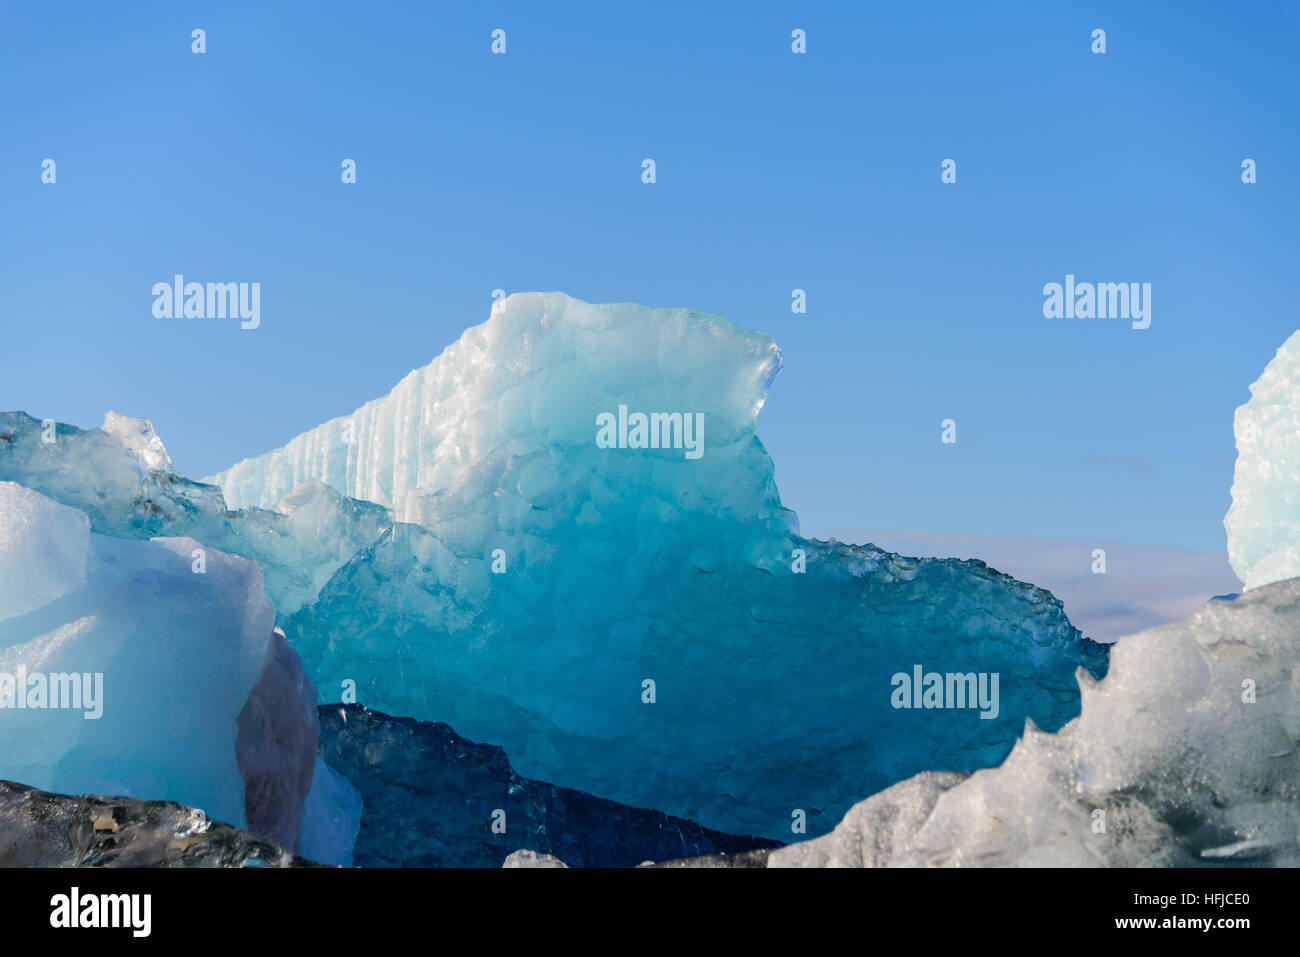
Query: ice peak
x=140 y=439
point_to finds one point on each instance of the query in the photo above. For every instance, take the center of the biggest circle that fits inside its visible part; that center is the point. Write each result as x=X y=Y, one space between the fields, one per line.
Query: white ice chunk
x=1263 y=522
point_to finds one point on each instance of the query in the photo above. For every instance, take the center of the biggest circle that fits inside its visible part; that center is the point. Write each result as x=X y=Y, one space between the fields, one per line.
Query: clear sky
x=819 y=171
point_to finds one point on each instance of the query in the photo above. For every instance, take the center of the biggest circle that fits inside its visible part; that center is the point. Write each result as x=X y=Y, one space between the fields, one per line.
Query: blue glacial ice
x=644 y=624
x=641 y=623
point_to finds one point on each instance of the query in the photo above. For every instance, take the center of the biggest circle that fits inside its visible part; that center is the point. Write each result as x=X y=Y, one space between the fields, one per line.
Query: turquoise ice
x=639 y=622
x=524 y=540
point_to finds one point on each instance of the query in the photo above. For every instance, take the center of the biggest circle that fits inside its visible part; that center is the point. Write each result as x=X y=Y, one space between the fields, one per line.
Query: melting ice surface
x=637 y=623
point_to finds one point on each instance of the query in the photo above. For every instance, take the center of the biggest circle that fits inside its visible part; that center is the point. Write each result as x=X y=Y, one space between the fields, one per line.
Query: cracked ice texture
x=773 y=688
x=1263 y=522
x=1187 y=750
x=179 y=653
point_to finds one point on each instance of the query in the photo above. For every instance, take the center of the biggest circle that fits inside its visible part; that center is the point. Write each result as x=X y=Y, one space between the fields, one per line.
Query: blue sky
x=775 y=171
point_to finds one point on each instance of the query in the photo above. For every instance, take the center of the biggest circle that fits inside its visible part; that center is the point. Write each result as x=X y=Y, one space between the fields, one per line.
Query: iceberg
x=563 y=536
x=1184 y=755
x=630 y=611
x=1263 y=522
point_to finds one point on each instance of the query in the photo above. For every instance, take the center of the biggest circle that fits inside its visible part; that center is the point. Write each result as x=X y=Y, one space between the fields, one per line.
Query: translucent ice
x=1185 y=754
x=502 y=426
x=43 y=552
x=625 y=603
x=1263 y=522
x=331 y=818
x=130 y=673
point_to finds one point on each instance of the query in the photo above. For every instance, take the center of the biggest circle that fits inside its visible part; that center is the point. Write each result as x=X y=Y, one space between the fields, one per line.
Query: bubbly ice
x=1263 y=522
